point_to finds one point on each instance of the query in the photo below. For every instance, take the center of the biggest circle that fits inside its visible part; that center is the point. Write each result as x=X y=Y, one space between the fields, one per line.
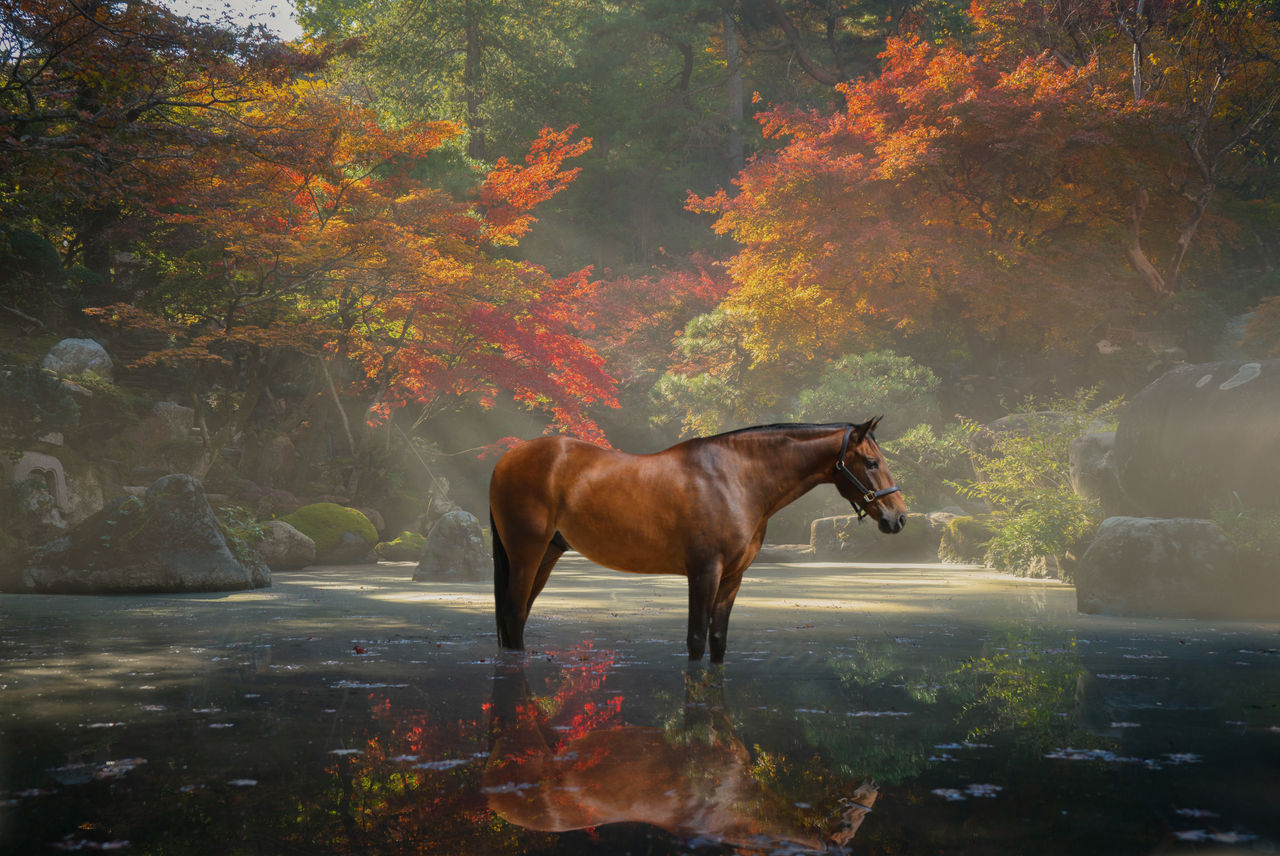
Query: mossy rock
x=964 y=540
x=342 y=534
x=405 y=547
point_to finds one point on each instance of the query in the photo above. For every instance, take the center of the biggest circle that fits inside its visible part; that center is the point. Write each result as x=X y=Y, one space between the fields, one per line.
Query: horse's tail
x=501 y=580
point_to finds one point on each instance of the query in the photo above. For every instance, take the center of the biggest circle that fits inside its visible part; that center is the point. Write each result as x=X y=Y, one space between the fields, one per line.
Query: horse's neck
x=784 y=466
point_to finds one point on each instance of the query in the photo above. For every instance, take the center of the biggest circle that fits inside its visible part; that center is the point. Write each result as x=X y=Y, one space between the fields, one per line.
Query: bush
x=859 y=386
x=927 y=463
x=1025 y=479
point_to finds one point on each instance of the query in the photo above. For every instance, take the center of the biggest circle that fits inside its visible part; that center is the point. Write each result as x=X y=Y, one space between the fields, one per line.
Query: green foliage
x=1254 y=532
x=35 y=403
x=111 y=405
x=241 y=523
x=716 y=386
x=859 y=386
x=32 y=266
x=925 y=461
x=1025 y=479
x=326 y=522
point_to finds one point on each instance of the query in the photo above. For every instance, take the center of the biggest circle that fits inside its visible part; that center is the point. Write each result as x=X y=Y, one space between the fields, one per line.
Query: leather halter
x=865 y=494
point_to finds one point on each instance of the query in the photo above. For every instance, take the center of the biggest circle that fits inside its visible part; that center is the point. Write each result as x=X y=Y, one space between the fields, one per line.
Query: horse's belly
x=634 y=551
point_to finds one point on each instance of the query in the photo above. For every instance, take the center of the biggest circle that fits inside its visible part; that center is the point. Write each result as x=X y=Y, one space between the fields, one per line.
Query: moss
x=964 y=540
x=325 y=523
x=405 y=547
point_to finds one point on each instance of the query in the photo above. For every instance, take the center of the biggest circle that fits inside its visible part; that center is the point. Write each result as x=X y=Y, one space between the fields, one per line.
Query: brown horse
x=698 y=509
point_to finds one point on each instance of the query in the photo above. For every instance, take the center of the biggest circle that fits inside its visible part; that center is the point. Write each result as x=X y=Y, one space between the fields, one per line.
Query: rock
x=1093 y=471
x=46 y=468
x=78 y=356
x=375 y=517
x=163 y=442
x=1202 y=438
x=1179 y=567
x=170 y=541
x=455 y=548
x=284 y=548
x=964 y=541
x=785 y=553
x=268 y=460
x=846 y=539
x=405 y=547
x=342 y=535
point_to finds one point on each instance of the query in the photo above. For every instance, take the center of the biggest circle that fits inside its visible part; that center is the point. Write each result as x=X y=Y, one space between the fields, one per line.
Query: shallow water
x=353 y=710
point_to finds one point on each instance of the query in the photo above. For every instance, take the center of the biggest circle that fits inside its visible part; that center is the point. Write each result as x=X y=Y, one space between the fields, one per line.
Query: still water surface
x=883 y=709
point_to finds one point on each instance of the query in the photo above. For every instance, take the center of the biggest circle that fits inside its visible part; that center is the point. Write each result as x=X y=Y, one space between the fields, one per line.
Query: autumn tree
x=320 y=241
x=985 y=201
x=96 y=99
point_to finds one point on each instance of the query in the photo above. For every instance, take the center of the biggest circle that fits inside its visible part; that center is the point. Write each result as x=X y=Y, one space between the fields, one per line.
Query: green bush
x=859 y=386
x=926 y=463
x=1025 y=480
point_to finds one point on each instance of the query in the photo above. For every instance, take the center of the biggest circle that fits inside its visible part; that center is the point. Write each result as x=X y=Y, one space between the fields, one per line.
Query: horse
x=698 y=509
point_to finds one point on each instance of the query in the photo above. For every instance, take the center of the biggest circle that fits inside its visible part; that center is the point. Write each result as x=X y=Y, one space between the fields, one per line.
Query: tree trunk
x=471 y=84
x=737 y=155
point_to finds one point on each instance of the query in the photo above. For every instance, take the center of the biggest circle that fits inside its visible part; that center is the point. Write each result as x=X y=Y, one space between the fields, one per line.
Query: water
x=352 y=710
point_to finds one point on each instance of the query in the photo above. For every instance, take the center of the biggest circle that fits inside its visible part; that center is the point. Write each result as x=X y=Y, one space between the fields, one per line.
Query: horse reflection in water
x=694 y=782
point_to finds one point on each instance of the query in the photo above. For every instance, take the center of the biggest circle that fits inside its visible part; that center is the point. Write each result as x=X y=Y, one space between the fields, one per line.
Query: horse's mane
x=782 y=427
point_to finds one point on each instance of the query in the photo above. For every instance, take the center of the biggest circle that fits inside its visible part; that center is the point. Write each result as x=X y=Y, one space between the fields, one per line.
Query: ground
x=351 y=708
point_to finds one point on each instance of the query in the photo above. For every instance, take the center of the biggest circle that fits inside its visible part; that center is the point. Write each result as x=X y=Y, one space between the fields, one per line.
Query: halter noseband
x=866 y=494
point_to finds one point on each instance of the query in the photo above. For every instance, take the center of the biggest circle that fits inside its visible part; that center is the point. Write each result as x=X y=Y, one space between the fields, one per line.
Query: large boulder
x=1201 y=438
x=1177 y=567
x=168 y=541
x=455 y=548
x=844 y=538
x=78 y=356
x=284 y=548
x=342 y=535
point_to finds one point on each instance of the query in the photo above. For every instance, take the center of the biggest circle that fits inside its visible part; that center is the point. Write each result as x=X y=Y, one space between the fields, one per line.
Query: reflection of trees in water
x=794 y=749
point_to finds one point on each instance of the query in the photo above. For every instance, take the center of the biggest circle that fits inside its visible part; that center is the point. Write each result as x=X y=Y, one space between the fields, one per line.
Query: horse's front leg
x=704 y=580
x=720 y=609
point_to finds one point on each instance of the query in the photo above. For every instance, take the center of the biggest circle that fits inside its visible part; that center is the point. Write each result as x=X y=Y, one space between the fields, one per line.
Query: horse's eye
x=872 y=464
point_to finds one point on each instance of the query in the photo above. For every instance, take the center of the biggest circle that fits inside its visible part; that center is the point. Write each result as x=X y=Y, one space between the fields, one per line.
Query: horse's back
x=621 y=510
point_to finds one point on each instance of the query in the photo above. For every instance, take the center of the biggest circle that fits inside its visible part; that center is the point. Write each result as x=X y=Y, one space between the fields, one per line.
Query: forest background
x=385 y=250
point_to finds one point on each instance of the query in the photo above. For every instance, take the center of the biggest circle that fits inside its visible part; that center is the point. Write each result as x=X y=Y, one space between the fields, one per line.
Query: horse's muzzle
x=892 y=522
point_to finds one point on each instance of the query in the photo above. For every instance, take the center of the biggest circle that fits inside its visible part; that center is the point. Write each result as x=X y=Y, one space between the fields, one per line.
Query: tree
x=96 y=101
x=320 y=241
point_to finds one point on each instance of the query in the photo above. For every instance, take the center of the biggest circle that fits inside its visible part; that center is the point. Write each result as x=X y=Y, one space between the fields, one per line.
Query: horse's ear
x=861 y=431
x=875 y=423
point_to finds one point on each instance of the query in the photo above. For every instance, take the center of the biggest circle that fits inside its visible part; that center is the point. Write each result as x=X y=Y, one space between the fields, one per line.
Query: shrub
x=927 y=463
x=1025 y=479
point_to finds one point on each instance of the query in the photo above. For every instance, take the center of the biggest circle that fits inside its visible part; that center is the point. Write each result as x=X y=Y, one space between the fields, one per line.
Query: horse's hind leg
x=554 y=551
x=703 y=583
x=514 y=585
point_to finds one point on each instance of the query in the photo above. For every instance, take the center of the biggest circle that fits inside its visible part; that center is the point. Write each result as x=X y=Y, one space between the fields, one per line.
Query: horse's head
x=862 y=477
